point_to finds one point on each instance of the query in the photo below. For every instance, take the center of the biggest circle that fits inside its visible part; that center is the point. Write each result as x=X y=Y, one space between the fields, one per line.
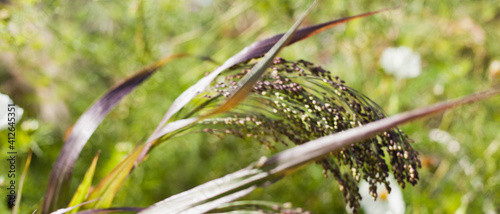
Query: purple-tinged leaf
x=259 y=48
x=83 y=129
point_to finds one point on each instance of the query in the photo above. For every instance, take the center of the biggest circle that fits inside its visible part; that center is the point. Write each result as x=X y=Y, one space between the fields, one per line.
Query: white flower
x=401 y=62
x=4 y=101
x=386 y=203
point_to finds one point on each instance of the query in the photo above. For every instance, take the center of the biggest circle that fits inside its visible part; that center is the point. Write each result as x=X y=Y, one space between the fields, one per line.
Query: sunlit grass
x=59 y=60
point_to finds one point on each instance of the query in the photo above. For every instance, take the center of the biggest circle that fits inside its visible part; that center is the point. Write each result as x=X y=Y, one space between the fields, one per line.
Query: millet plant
x=256 y=95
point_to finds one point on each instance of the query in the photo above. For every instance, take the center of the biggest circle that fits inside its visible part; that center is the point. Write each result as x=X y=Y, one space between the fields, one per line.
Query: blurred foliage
x=57 y=57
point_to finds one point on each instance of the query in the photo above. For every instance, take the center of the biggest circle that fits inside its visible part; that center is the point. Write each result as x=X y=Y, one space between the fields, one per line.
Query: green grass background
x=57 y=57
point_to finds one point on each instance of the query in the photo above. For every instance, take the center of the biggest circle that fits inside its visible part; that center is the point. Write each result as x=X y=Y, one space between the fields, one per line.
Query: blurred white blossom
x=386 y=203
x=401 y=62
x=29 y=125
x=438 y=89
x=494 y=69
x=445 y=138
x=203 y=3
x=4 y=101
x=125 y=147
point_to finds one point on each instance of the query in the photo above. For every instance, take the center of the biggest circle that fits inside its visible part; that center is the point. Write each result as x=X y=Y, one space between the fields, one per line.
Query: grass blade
x=21 y=184
x=106 y=189
x=83 y=129
x=259 y=48
x=266 y=171
x=83 y=188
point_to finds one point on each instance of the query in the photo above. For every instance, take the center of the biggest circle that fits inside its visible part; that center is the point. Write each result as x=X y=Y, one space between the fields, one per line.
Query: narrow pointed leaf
x=83 y=188
x=259 y=48
x=107 y=188
x=268 y=170
x=21 y=184
x=83 y=129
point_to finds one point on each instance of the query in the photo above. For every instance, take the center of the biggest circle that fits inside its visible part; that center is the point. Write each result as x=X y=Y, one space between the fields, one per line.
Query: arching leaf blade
x=259 y=48
x=82 y=130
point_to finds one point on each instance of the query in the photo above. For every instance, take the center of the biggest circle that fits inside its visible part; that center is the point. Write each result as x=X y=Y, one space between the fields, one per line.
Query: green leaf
x=83 y=188
x=21 y=184
x=109 y=185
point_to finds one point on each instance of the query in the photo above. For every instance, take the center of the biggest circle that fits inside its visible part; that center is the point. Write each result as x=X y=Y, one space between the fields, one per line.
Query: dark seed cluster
x=299 y=102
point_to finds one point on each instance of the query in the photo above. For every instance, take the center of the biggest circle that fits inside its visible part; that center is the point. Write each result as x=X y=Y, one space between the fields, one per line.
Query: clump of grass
x=297 y=102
